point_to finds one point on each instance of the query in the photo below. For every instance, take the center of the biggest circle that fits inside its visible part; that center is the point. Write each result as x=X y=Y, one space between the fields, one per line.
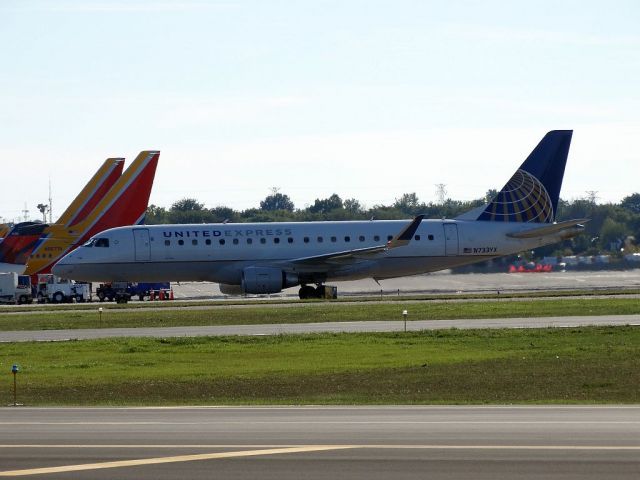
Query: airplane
x=125 y=203
x=263 y=258
x=110 y=199
x=17 y=246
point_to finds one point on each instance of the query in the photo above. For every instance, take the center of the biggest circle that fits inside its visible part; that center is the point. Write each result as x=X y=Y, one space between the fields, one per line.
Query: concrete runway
x=301 y=328
x=445 y=282
x=435 y=442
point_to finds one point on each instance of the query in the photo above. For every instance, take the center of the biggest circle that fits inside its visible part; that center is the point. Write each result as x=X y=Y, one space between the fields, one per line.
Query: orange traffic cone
x=171 y=294
x=161 y=294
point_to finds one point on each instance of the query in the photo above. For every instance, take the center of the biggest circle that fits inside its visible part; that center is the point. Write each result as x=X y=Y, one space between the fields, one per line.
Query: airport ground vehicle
x=122 y=292
x=15 y=288
x=54 y=289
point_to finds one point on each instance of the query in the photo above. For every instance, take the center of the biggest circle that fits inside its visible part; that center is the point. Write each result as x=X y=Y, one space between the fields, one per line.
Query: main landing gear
x=321 y=291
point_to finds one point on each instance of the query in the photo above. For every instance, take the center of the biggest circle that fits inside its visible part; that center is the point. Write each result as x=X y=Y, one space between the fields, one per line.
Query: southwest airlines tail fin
x=532 y=193
x=4 y=229
x=93 y=192
x=124 y=204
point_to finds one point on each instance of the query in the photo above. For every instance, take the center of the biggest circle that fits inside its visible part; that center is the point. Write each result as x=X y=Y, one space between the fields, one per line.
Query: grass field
x=317 y=312
x=582 y=365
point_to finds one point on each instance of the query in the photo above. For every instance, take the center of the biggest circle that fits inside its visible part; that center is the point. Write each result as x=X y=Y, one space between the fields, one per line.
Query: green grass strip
x=318 y=312
x=578 y=365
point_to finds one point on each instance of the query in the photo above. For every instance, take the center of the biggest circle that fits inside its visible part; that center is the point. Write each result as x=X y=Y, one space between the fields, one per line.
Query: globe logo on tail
x=523 y=199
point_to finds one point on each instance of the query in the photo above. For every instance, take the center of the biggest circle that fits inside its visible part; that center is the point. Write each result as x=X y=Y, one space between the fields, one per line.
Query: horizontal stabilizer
x=551 y=229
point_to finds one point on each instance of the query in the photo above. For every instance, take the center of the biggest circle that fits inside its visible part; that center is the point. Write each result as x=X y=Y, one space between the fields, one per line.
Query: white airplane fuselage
x=220 y=252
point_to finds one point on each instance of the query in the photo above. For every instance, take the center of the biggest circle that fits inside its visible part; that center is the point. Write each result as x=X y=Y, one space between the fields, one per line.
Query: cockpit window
x=90 y=243
x=101 y=242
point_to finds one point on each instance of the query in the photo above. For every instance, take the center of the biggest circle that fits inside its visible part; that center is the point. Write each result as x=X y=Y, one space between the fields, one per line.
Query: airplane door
x=450 y=239
x=142 y=245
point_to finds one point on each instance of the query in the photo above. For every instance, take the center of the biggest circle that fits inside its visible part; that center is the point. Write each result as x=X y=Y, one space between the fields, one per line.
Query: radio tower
x=441 y=193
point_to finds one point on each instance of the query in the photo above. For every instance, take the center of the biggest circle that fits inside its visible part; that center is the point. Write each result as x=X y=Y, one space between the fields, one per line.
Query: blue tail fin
x=532 y=193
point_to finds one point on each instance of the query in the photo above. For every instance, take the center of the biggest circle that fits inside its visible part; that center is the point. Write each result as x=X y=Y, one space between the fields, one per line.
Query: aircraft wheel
x=306 y=292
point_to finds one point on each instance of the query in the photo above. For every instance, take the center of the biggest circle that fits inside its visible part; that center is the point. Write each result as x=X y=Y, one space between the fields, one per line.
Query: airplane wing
x=551 y=229
x=401 y=239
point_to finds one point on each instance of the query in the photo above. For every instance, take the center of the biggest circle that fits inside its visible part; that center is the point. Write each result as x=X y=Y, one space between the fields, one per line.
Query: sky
x=366 y=99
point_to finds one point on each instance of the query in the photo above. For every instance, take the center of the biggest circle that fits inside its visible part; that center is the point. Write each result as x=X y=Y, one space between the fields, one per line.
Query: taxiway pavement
x=436 y=442
x=301 y=328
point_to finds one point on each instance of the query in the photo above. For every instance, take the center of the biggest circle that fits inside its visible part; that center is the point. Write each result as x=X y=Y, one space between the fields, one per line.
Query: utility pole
x=25 y=212
x=441 y=193
x=50 y=203
x=592 y=196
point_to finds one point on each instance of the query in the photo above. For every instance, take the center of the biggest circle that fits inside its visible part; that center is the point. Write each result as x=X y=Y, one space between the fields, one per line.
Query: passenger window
x=180 y=242
x=207 y=241
x=167 y=242
x=334 y=239
x=249 y=241
x=235 y=241
x=305 y=239
x=276 y=240
x=376 y=238
x=430 y=237
x=361 y=238
x=194 y=242
x=347 y=238
x=221 y=241
x=389 y=237
x=320 y=239
x=263 y=240
x=290 y=240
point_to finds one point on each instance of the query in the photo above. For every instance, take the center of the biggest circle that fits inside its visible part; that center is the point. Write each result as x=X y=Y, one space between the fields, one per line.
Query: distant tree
x=220 y=214
x=408 y=203
x=156 y=215
x=631 y=203
x=277 y=201
x=352 y=206
x=189 y=210
x=490 y=195
x=325 y=205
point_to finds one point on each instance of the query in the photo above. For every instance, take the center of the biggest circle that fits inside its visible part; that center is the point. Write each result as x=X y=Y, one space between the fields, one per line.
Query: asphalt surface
x=435 y=442
x=300 y=328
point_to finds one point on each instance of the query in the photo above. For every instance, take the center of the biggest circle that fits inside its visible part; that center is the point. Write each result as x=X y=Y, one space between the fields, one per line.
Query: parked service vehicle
x=122 y=292
x=15 y=288
x=61 y=290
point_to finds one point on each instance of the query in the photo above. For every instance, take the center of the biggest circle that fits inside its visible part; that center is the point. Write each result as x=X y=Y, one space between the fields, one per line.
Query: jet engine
x=266 y=280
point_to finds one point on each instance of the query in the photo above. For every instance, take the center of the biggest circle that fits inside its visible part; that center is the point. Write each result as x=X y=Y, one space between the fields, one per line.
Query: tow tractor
x=61 y=290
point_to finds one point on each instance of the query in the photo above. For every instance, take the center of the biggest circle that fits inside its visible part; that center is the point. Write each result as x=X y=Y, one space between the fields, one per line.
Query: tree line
x=613 y=228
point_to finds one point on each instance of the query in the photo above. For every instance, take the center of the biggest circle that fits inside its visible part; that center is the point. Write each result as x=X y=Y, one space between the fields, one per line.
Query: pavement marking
x=340 y=422
x=275 y=449
x=174 y=459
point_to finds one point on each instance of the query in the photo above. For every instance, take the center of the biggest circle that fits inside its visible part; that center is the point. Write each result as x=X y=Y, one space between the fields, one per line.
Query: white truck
x=61 y=290
x=15 y=288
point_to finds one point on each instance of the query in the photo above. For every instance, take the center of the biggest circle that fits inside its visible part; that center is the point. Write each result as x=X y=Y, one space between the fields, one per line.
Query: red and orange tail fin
x=93 y=192
x=124 y=204
x=4 y=229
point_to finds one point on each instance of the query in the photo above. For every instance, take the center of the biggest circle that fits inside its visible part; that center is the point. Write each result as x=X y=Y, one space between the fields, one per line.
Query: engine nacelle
x=227 y=289
x=266 y=280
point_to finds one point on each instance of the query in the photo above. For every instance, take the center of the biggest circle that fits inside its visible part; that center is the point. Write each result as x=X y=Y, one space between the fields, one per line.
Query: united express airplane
x=263 y=258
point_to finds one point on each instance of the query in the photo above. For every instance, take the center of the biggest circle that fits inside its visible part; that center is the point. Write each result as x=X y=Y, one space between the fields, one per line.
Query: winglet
x=404 y=237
